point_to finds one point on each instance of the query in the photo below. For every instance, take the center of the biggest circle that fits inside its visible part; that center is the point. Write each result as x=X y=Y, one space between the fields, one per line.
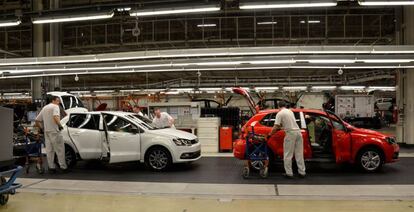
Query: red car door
x=341 y=141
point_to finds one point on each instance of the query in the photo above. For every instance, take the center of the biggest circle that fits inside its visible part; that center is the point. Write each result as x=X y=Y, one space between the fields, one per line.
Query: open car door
x=124 y=139
x=84 y=131
x=341 y=139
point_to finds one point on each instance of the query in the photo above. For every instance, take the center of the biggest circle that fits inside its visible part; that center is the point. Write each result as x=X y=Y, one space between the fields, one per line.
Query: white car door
x=83 y=129
x=124 y=139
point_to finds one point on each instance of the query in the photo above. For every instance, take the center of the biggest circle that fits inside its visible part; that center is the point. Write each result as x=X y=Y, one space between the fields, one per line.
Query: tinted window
x=268 y=120
x=118 y=124
x=84 y=121
x=66 y=102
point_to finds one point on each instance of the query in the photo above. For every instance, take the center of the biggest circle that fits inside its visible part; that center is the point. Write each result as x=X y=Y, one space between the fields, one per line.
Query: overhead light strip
x=285 y=4
x=155 y=55
x=386 y=3
x=169 y=11
x=9 y=23
x=72 y=18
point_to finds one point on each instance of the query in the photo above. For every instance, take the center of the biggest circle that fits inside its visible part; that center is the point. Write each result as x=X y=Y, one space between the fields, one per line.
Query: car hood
x=174 y=133
x=368 y=132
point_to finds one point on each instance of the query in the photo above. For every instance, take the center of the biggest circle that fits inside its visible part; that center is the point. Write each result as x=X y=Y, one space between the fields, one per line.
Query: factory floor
x=65 y=202
x=214 y=184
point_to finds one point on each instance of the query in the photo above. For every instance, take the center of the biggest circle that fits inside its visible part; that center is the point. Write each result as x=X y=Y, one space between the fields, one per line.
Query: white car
x=384 y=103
x=121 y=137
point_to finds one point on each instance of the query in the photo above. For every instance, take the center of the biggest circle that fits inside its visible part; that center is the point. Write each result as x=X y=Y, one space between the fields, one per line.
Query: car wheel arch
x=158 y=146
x=370 y=146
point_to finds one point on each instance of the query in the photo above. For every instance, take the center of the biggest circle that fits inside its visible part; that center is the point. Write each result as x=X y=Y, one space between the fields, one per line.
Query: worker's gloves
x=60 y=128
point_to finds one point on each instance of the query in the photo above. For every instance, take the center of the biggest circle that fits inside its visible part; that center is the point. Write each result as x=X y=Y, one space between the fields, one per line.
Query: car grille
x=194 y=141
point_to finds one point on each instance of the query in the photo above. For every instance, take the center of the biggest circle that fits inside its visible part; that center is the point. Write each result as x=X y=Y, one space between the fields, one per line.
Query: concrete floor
x=64 y=202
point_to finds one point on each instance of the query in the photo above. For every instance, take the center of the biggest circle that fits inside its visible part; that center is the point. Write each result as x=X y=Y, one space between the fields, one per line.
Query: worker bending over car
x=162 y=119
x=293 y=142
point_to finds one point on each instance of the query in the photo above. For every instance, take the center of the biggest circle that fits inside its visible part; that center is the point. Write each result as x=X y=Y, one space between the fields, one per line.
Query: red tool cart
x=226 y=138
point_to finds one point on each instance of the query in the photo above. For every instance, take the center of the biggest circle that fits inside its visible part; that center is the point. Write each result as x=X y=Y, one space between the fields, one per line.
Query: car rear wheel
x=370 y=159
x=158 y=159
x=70 y=157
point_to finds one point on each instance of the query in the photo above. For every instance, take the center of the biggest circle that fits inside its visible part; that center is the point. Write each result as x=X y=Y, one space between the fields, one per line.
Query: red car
x=325 y=138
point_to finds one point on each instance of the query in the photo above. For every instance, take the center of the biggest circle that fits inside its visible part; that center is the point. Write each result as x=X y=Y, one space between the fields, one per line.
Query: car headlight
x=182 y=142
x=391 y=140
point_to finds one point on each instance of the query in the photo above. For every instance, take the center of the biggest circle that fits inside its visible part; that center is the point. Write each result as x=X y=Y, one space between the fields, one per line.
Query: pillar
x=45 y=47
x=405 y=85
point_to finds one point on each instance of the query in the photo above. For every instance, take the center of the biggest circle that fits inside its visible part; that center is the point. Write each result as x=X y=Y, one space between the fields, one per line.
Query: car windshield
x=336 y=118
x=146 y=122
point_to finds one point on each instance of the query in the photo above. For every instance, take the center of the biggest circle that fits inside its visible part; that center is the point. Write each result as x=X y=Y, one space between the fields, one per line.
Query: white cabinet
x=208 y=134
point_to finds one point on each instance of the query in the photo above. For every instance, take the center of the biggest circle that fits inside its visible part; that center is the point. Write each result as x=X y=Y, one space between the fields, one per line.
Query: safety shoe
x=302 y=176
x=288 y=176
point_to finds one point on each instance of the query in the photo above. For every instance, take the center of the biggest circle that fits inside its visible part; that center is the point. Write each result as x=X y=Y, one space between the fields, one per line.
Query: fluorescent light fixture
x=350 y=88
x=285 y=4
x=258 y=62
x=171 y=92
x=323 y=87
x=130 y=90
x=206 y=25
x=180 y=10
x=13 y=94
x=386 y=60
x=72 y=18
x=311 y=22
x=382 y=88
x=104 y=91
x=218 y=63
x=79 y=92
x=386 y=3
x=266 y=23
x=210 y=89
x=392 y=52
x=267 y=88
x=183 y=89
x=330 y=61
x=8 y=23
x=300 y=88
x=123 y=9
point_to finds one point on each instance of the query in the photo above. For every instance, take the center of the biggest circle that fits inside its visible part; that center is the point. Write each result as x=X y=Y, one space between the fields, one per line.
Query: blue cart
x=8 y=187
x=256 y=152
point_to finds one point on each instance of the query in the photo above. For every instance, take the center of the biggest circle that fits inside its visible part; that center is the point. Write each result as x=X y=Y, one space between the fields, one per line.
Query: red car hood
x=368 y=132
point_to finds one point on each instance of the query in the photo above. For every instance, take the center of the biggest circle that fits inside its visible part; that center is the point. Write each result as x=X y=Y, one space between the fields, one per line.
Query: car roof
x=118 y=113
x=59 y=93
x=294 y=110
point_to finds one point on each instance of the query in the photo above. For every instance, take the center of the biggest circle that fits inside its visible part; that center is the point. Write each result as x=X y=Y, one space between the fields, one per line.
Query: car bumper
x=396 y=154
x=184 y=154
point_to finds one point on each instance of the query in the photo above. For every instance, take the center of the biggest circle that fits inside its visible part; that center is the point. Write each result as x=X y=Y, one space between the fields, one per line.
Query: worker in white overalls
x=293 y=142
x=50 y=117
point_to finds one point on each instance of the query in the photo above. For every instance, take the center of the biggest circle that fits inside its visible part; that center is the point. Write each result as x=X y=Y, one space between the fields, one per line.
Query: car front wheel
x=158 y=159
x=370 y=159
